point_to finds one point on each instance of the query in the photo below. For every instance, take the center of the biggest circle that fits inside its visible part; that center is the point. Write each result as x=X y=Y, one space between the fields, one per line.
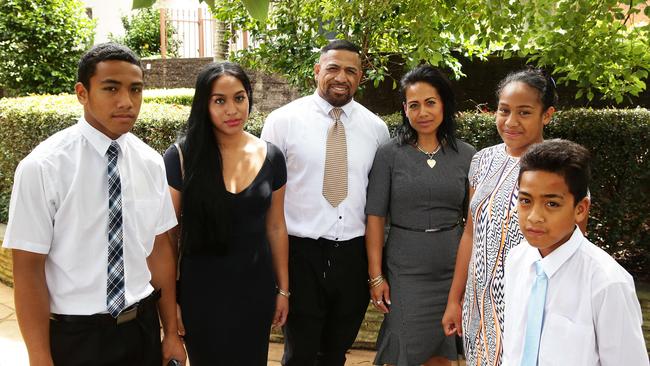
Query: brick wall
x=269 y=91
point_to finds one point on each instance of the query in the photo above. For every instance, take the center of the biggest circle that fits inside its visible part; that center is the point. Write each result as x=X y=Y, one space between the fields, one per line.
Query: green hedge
x=618 y=139
x=182 y=96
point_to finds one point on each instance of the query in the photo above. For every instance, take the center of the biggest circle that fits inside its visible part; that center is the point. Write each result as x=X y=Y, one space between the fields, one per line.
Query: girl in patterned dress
x=526 y=104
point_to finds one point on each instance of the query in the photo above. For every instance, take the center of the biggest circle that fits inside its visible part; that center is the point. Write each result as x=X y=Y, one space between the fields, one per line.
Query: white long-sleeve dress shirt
x=592 y=315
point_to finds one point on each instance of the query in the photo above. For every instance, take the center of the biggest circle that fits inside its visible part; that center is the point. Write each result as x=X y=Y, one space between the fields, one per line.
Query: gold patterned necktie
x=335 y=178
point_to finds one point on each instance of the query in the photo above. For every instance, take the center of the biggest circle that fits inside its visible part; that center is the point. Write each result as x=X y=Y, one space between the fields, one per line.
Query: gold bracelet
x=284 y=293
x=374 y=282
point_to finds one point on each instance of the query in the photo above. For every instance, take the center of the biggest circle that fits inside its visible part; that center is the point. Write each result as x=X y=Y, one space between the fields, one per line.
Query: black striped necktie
x=115 y=284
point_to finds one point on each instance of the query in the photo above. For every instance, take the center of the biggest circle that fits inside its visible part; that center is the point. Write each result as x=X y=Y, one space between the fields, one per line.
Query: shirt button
x=336 y=239
x=340 y=217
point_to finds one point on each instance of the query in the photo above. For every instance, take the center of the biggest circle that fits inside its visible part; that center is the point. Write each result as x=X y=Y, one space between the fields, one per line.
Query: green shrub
x=618 y=139
x=40 y=45
x=182 y=96
x=143 y=34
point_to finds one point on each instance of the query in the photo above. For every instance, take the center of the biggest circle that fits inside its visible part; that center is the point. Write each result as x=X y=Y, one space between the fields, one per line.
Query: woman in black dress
x=229 y=187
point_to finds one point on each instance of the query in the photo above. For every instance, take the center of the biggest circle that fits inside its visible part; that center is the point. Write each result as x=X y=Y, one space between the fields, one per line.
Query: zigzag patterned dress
x=493 y=175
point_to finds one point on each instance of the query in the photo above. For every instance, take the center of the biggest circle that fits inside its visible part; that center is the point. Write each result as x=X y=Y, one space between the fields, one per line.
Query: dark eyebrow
x=223 y=95
x=111 y=81
x=549 y=195
x=116 y=82
x=553 y=195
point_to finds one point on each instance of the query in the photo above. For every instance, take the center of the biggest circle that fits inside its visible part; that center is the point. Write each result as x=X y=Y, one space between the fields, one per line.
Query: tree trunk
x=220 y=45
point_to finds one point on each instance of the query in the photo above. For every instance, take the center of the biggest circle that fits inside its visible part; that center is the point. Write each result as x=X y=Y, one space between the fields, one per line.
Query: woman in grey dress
x=419 y=181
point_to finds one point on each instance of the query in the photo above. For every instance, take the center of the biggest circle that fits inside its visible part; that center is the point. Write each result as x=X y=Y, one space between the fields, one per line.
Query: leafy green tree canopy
x=40 y=44
x=143 y=33
x=589 y=42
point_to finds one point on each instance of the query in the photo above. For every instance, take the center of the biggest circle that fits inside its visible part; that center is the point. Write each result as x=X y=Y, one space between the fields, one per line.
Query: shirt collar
x=326 y=107
x=98 y=140
x=552 y=262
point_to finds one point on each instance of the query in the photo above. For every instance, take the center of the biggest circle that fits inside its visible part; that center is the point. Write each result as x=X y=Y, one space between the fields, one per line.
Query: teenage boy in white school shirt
x=88 y=220
x=590 y=314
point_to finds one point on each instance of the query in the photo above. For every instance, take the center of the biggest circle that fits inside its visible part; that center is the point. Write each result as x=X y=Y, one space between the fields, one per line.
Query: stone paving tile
x=12 y=348
x=6 y=296
x=354 y=357
x=5 y=312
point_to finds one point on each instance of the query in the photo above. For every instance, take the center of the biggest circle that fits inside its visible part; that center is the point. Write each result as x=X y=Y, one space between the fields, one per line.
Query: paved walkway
x=13 y=352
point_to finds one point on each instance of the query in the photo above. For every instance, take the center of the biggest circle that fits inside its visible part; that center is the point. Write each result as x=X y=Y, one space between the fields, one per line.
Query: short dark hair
x=537 y=79
x=562 y=157
x=406 y=134
x=340 y=44
x=103 y=52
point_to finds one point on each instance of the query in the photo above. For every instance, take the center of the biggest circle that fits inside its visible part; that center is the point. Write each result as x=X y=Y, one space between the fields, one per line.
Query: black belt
x=436 y=230
x=125 y=316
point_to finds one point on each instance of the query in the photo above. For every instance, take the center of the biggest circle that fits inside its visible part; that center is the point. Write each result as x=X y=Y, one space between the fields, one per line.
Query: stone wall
x=269 y=91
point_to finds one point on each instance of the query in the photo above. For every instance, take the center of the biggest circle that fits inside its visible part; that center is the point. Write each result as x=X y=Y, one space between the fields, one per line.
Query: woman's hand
x=380 y=297
x=281 y=310
x=179 y=321
x=451 y=320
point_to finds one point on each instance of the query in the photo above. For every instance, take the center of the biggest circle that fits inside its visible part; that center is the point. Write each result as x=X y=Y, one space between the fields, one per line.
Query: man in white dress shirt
x=327 y=177
x=567 y=302
x=87 y=227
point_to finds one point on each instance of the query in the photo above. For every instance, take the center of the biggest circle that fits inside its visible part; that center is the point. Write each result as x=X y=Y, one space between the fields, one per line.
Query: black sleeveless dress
x=228 y=302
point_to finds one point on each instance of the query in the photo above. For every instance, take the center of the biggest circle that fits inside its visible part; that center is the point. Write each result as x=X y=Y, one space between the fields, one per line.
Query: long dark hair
x=446 y=133
x=206 y=213
x=537 y=79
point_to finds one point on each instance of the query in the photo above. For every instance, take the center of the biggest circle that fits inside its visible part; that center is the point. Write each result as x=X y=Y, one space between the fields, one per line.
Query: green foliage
x=182 y=96
x=287 y=43
x=620 y=213
x=619 y=219
x=143 y=33
x=258 y=9
x=584 y=41
x=40 y=44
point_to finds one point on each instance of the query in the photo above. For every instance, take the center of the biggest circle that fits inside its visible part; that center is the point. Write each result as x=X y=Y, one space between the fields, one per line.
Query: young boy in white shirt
x=567 y=302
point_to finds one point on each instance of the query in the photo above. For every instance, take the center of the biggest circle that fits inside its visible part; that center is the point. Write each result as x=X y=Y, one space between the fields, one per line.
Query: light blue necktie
x=115 y=283
x=535 y=318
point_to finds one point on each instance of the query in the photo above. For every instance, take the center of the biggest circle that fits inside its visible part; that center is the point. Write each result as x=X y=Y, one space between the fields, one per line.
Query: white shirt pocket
x=565 y=342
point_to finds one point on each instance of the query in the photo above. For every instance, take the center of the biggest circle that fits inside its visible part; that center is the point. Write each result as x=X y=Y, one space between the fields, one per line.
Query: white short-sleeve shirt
x=299 y=129
x=592 y=316
x=59 y=207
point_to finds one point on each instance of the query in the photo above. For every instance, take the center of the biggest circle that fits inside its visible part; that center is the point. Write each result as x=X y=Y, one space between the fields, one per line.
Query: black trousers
x=97 y=342
x=329 y=297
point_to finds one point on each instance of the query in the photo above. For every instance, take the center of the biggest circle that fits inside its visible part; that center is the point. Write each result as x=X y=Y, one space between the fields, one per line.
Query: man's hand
x=172 y=348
